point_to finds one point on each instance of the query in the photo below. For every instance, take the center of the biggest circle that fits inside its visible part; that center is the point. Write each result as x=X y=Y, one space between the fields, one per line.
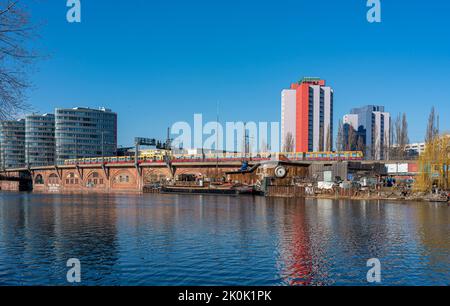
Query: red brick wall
x=120 y=180
x=9 y=186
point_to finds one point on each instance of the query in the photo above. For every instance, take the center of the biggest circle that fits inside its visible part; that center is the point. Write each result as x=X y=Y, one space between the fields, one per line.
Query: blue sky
x=156 y=62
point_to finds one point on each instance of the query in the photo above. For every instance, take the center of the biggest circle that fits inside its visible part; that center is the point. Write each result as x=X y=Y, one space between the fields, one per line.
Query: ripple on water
x=203 y=240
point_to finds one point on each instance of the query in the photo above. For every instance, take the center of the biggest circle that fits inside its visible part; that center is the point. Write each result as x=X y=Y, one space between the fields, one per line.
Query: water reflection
x=295 y=258
x=40 y=233
x=207 y=240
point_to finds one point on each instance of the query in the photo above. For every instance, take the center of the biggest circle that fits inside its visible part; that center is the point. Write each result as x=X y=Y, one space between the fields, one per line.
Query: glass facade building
x=40 y=140
x=84 y=133
x=12 y=144
x=375 y=123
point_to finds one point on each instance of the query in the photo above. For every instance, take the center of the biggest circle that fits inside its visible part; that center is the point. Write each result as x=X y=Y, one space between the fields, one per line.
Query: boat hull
x=213 y=191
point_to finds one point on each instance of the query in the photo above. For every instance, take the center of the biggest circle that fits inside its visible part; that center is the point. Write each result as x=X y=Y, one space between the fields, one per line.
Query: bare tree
x=351 y=140
x=397 y=129
x=340 y=137
x=289 y=143
x=376 y=152
x=391 y=137
x=385 y=148
x=404 y=138
x=432 y=129
x=328 y=140
x=360 y=144
x=400 y=137
x=322 y=139
x=16 y=56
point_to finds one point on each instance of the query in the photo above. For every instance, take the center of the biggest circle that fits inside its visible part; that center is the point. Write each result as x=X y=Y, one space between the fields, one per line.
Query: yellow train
x=154 y=154
x=158 y=156
x=325 y=156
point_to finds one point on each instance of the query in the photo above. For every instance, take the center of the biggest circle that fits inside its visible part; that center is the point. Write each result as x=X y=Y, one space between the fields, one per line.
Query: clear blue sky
x=156 y=62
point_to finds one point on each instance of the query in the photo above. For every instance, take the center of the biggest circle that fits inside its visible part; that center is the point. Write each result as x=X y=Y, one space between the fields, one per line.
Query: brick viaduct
x=108 y=178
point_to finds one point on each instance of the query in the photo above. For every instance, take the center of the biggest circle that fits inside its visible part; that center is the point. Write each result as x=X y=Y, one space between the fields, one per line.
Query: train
x=159 y=156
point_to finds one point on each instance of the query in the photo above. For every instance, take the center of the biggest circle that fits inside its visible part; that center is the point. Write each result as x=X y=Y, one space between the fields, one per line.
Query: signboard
x=402 y=168
x=413 y=168
x=397 y=168
x=325 y=185
x=391 y=168
x=145 y=141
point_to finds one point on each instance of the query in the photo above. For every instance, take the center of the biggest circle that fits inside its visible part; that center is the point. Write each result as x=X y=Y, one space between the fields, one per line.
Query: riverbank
x=376 y=198
x=356 y=196
x=384 y=196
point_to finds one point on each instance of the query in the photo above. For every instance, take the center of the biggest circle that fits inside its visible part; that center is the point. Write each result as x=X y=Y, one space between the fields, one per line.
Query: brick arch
x=95 y=179
x=155 y=175
x=47 y=177
x=123 y=179
x=71 y=179
x=52 y=179
x=38 y=179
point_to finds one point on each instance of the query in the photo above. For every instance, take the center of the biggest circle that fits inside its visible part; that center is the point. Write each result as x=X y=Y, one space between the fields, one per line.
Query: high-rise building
x=12 y=144
x=40 y=140
x=307 y=116
x=376 y=125
x=84 y=133
x=352 y=120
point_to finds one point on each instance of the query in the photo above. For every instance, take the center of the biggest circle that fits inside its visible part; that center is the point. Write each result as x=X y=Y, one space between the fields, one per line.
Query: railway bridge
x=134 y=178
x=106 y=178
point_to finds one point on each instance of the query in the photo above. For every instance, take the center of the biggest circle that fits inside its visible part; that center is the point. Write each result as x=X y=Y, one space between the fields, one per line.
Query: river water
x=209 y=240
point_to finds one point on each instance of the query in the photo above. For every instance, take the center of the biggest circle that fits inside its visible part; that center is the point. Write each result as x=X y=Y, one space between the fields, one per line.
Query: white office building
x=288 y=116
